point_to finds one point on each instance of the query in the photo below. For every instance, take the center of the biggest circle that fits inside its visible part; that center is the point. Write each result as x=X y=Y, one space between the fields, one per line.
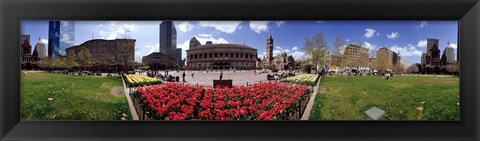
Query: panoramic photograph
x=239 y=70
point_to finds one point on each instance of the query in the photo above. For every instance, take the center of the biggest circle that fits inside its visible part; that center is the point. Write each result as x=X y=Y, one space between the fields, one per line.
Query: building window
x=236 y=55
x=210 y=55
x=231 y=55
x=216 y=55
x=191 y=56
x=221 y=54
x=195 y=56
x=205 y=55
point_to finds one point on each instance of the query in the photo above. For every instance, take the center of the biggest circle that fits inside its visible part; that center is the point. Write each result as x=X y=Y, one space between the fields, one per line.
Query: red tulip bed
x=261 y=101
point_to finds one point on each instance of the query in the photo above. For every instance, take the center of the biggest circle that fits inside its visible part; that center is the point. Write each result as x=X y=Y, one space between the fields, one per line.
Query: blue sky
x=406 y=37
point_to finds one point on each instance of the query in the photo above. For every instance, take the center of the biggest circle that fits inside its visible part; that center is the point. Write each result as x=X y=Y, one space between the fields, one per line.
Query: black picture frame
x=467 y=12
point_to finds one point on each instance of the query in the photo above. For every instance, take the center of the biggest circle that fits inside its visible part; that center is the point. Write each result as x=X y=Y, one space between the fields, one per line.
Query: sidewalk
x=133 y=112
x=309 y=107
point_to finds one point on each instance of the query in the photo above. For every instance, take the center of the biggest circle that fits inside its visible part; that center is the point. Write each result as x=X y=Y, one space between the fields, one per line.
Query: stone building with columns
x=220 y=56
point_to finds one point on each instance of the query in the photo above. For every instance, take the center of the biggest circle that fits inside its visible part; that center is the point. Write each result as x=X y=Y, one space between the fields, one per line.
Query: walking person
x=221 y=75
x=193 y=74
x=183 y=75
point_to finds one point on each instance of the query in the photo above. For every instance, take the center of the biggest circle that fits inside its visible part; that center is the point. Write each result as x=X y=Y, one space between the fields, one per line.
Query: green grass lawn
x=47 y=96
x=341 y=98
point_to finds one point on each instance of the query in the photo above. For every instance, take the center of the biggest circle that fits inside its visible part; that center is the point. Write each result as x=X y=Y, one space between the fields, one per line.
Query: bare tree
x=125 y=53
x=413 y=68
x=339 y=44
x=382 y=63
x=315 y=47
x=398 y=68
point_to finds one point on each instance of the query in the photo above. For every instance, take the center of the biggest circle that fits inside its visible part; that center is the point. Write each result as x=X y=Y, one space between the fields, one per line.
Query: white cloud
x=65 y=38
x=422 y=43
x=320 y=21
x=378 y=34
x=295 y=48
x=406 y=50
x=453 y=45
x=279 y=23
x=113 y=29
x=298 y=55
x=185 y=26
x=222 y=26
x=370 y=46
x=294 y=52
x=347 y=40
x=205 y=35
x=145 y=50
x=393 y=35
x=259 y=26
x=369 y=32
x=278 y=47
x=423 y=24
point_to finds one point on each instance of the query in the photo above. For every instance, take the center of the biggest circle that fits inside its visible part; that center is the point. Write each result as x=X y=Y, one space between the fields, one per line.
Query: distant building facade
x=356 y=56
x=28 y=61
x=194 y=43
x=221 y=56
x=159 y=61
x=390 y=56
x=107 y=52
x=337 y=60
x=424 y=59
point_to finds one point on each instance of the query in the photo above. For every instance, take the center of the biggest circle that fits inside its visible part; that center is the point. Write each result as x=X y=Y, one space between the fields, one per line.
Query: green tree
x=46 y=64
x=85 y=58
x=60 y=63
x=453 y=68
x=72 y=61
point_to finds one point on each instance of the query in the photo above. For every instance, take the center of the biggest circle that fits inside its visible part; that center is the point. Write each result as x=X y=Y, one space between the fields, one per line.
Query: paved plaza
x=239 y=77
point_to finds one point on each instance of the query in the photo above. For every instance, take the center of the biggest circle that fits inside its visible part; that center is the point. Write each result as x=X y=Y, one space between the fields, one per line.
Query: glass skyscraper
x=54 y=39
x=67 y=36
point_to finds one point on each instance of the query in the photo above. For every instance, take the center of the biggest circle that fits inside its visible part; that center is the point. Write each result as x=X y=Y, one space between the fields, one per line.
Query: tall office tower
x=168 y=38
x=450 y=54
x=40 y=48
x=168 y=41
x=54 y=39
